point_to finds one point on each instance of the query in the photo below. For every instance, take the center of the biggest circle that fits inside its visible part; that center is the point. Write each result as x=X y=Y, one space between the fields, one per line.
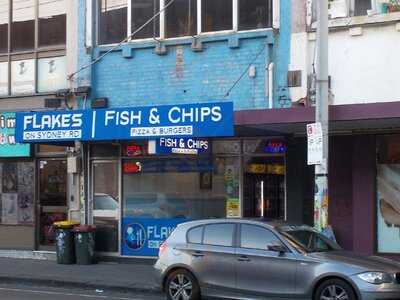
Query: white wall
x=364 y=68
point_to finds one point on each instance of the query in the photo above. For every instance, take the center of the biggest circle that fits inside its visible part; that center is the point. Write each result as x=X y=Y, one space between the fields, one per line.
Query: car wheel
x=335 y=289
x=182 y=285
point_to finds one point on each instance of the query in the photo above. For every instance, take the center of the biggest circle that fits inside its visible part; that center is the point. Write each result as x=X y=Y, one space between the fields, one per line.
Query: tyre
x=182 y=285
x=335 y=289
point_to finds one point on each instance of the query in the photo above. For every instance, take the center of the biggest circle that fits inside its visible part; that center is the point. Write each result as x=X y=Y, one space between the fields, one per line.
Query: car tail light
x=162 y=249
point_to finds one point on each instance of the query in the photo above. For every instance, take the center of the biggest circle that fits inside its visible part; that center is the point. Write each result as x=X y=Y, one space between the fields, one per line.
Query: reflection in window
x=216 y=15
x=254 y=14
x=181 y=18
x=142 y=11
x=3 y=26
x=23 y=25
x=52 y=22
x=256 y=237
x=113 y=20
x=219 y=234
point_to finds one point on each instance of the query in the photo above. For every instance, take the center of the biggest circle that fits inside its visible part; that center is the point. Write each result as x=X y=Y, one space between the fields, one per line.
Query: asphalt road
x=25 y=292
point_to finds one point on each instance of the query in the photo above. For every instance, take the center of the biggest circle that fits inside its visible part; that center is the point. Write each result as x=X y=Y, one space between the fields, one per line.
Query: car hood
x=360 y=262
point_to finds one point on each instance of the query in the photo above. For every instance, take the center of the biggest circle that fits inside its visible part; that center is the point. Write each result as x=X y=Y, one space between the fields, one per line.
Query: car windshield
x=308 y=240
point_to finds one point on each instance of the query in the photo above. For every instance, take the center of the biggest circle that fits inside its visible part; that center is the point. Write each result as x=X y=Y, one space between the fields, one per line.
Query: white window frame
x=235 y=21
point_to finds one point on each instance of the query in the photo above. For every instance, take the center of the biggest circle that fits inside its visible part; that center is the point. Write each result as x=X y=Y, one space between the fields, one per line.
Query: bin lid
x=84 y=228
x=65 y=224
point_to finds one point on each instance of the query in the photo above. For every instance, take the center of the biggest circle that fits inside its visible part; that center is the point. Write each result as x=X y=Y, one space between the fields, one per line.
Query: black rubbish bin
x=84 y=244
x=65 y=242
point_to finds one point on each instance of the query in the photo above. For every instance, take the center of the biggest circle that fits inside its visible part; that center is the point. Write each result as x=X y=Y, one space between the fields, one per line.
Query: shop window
x=52 y=149
x=23 y=25
x=52 y=22
x=104 y=150
x=113 y=20
x=255 y=14
x=219 y=234
x=388 y=196
x=217 y=15
x=181 y=19
x=142 y=11
x=17 y=197
x=4 y=26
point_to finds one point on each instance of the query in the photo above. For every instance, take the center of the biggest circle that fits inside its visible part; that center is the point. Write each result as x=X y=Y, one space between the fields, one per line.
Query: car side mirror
x=277 y=248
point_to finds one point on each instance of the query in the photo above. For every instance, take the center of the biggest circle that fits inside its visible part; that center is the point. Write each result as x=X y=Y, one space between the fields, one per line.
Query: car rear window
x=195 y=235
x=219 y=234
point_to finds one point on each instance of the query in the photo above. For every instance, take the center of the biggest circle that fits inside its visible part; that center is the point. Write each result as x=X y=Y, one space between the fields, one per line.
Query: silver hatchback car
x=251 y=259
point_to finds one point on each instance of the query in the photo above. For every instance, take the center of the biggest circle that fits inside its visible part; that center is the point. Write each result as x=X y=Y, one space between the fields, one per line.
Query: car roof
x=260 y=221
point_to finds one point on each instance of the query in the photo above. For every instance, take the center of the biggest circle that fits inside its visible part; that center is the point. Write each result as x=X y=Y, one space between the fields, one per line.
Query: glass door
x=106 y=204
x=52 y=205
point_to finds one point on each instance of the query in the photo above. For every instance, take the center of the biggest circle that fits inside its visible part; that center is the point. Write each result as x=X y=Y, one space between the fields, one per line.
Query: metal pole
x=322 y=115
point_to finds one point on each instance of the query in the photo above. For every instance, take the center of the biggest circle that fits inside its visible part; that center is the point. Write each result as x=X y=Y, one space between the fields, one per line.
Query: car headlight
x=376 y=277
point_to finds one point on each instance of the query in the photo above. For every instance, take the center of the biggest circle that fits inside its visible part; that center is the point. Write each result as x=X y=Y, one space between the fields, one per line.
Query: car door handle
x=198 y=254
x=244 y=258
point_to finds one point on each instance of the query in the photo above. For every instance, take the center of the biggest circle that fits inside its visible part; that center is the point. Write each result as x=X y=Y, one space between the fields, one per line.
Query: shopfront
x=144 y=181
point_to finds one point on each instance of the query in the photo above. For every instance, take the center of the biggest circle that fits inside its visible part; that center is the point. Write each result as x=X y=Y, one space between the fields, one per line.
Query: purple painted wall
x=352 y=192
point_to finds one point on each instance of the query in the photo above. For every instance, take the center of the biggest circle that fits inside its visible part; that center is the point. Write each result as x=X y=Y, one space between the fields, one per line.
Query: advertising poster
x=9 y=209
x=23 y=76
x=8 y=145
x=10 y=178
x=25 y=209
x=143 y=237
x=233 y=207
x=388 y=210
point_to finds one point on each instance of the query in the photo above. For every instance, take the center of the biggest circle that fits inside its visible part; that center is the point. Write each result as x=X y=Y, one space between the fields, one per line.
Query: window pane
x=23 y=76
x=113 y=21
x=254 y=14
x=256 y=237
x=3 y=78
x=195 y=235
x=23 y=25
x=3 y=26
x=219 y=234
x=181 y=18
x=216 y=15
x=52 y=22
x=361 y=7
x=142 y=11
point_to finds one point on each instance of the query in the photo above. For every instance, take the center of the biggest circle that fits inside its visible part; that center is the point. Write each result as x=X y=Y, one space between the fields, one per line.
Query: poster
x=9 y=208
x=9 y=178
x=8 y=145
x=388 y=208
x=26 y=177
x=25 y=209
x=233 y=208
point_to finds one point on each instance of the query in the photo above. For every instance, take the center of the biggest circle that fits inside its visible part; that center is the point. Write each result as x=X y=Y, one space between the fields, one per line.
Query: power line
x=120 y=43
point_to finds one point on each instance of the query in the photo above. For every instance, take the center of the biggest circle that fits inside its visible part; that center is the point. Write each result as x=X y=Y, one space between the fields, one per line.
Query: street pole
x=321 y=199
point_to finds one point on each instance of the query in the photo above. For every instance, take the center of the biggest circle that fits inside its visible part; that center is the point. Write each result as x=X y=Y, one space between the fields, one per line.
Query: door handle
x=198 y=254
x=244 y=258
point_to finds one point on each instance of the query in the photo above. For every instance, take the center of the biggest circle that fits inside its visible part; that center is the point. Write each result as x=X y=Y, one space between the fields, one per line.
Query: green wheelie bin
x=65 y=242
x=84 y=244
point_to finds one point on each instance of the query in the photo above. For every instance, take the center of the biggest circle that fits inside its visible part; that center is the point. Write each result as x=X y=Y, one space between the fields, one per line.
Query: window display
x=17 y=193
x=388 y=196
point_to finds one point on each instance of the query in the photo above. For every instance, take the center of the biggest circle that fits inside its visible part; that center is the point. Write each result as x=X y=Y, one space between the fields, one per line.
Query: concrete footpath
x=117 y=276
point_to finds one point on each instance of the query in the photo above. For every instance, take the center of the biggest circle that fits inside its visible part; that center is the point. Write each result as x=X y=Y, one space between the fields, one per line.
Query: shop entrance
x=264 y=187
x=106 y=205
x=52 y=204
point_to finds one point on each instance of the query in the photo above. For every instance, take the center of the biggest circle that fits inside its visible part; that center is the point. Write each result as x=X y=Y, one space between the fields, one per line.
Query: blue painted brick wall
x=137 y=76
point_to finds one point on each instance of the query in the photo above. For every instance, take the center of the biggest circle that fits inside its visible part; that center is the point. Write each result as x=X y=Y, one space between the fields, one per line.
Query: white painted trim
x=129 y=20
x=162 y=19
x=276 y=18
x=235 y=16
x=89 y=24
x=199 y=16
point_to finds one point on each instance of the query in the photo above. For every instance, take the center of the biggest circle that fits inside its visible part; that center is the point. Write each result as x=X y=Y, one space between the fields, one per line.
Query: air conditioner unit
x=338 y=9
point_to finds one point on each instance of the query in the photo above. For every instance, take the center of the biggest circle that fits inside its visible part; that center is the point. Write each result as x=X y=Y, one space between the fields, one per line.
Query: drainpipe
x=270 y=69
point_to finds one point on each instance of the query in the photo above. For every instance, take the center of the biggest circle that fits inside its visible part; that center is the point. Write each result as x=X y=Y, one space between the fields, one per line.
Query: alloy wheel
x=180 y=287
x=334 y=292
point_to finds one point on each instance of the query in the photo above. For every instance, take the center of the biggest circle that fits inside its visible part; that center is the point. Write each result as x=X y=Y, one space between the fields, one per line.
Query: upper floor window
x=347 y=8
x=119 y=19
x=32 y=46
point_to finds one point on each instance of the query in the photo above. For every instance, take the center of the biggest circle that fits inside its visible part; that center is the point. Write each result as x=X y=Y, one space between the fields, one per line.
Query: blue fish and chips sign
x=150 y=122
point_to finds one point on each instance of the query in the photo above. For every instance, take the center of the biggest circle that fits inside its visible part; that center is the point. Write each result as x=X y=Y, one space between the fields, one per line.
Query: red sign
x=132 y=167
x=133 y=150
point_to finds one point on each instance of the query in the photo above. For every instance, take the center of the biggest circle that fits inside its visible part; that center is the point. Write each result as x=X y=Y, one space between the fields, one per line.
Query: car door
x=213 y=260
x=262 y=271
